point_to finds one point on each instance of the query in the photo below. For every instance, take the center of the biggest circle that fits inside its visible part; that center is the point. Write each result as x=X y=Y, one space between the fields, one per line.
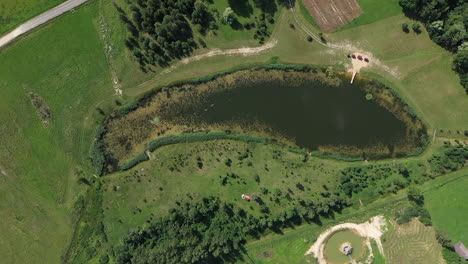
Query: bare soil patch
x=42 y=109
x=332 y=14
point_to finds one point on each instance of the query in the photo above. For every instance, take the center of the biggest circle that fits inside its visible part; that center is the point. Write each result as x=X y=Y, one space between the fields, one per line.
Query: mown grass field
x=373 y=11
x=448 y=208
x=15 y=12
x=40 y=166
x=412 y=243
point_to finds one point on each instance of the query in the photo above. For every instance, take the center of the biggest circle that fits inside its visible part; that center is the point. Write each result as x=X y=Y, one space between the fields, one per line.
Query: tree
x=444 y=239
x=228 y=16
x=416 y=28
x=309 y=38
x=415 y=195
x=405 y=27
x=460 y=63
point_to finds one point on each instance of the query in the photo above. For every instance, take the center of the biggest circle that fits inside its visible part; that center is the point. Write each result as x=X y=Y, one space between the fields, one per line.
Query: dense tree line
x=446 y=21
x=452 y=157
x=208 y=231
x=211 y=231
x=160 y=30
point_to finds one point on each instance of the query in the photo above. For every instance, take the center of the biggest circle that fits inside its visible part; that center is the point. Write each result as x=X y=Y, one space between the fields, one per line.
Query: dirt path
x=39 y=20
x=244 y=51
x=371 y=229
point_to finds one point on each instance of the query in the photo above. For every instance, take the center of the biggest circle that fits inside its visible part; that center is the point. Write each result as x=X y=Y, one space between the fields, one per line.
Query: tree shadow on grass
x=241 y=7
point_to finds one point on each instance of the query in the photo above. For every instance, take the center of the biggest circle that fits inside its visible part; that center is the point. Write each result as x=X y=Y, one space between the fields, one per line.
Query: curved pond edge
x=364 y=252
x=100 y=159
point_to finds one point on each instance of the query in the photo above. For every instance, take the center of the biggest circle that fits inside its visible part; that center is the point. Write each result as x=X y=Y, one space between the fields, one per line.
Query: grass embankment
x=41 y=165
x=15 y=12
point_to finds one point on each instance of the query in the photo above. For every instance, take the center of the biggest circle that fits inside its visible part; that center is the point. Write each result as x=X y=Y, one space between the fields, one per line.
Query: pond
x=332 y=247
x=309 y=112
x=312 y=109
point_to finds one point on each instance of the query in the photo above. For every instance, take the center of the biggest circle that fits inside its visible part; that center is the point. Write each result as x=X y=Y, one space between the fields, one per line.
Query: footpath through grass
x=64 y=64
x=15 y=12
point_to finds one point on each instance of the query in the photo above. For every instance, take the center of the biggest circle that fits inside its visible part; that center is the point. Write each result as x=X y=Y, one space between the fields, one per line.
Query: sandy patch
x=372 y=229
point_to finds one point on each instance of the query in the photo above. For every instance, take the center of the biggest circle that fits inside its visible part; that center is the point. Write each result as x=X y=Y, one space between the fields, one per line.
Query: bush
x=415 y=195
x=104 y=259
x=133 y=162
x=405 y=215
x=127 y=108
x=405 y=27
x=444 y=239
x=309 y=38
x=416 y=28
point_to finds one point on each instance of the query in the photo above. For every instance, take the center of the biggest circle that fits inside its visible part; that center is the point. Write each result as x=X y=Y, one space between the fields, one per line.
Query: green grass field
x=40 y=165
x=448 y=208
x=373 y=11
x=15 y=12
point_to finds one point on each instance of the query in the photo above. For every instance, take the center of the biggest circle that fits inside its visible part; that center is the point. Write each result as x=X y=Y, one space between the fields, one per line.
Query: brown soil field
x=332 y=14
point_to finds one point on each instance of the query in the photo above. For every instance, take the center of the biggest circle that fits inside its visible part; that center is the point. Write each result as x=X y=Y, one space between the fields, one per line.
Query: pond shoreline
x=383 y=95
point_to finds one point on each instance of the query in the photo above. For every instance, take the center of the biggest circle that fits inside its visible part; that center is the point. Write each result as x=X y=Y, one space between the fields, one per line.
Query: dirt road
x=39 y=20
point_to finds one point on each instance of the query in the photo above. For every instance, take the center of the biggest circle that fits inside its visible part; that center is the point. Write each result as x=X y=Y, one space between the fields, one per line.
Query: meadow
x=448 y=207
x=15 y=12
x=41 y=165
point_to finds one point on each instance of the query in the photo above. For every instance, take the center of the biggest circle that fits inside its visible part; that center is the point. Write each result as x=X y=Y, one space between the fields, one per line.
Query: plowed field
x=332 y=14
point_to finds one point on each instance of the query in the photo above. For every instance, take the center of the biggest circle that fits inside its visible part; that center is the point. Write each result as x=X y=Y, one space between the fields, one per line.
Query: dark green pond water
x=308 y=112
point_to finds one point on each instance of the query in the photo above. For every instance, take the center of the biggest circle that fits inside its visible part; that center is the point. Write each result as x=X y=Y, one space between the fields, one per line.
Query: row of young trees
x=446 y=22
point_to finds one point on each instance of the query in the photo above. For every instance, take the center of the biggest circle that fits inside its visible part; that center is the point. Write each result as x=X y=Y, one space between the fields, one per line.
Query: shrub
x=444 y=239
x=135 y=161
x=309 y=38
x=416 y=28
x=405 y=215
x=405 y=27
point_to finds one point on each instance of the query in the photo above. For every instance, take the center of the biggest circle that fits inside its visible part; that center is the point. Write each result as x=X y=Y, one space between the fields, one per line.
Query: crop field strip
x=412 y=243
x=332 y=14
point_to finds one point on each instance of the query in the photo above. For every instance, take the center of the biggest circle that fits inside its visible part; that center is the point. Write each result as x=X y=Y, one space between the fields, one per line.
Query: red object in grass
x=354 y=56
x=359 y=57
x=366 y=60
x=245 y=197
